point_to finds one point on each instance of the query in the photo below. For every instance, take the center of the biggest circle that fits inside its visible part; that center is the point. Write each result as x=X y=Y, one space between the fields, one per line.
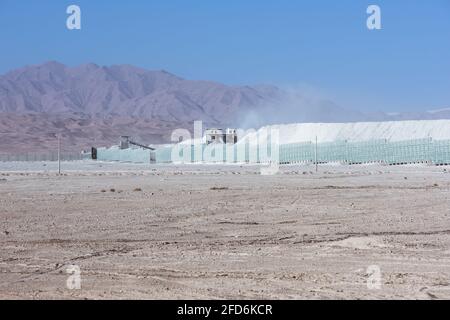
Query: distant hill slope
x=20 y=133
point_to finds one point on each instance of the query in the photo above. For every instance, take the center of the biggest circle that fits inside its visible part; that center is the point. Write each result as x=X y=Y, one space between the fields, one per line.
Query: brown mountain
x=90 y=104
x=124 y=91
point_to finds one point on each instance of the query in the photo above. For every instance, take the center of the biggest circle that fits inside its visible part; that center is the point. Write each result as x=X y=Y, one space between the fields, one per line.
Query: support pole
x=59 y=154
x=315 y=156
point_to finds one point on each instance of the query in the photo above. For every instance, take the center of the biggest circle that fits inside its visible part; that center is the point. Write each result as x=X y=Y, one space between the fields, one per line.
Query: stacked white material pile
x=362 y=131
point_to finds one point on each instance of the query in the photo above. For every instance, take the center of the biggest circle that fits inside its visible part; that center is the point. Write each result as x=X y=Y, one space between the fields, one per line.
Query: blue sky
x=322 y=45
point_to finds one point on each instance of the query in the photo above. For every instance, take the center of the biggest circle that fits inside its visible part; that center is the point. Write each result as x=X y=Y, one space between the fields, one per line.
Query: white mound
x=361 y=131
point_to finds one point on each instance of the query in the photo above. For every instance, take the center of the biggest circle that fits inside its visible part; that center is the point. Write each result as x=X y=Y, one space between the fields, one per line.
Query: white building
x=215 y=135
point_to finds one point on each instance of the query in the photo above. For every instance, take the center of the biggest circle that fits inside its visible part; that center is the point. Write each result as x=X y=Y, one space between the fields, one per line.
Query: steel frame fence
x=374 y=151
x=51 y=156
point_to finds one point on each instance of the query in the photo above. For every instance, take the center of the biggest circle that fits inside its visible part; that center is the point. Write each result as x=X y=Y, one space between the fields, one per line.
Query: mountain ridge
x=124 y=90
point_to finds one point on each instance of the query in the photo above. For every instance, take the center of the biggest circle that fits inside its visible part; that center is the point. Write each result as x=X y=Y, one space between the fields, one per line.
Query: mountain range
x=93 y=105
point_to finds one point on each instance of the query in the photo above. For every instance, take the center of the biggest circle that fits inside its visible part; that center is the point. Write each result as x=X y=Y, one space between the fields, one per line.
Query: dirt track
x=224 y=232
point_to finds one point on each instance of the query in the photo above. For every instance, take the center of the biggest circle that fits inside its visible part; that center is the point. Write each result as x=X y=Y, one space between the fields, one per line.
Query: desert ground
x=224 y=232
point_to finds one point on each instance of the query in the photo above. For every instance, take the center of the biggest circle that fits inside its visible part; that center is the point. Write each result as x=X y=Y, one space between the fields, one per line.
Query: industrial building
x=220 y=136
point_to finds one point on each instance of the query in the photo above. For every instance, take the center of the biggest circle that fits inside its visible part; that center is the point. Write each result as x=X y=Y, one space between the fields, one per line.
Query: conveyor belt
x=140 y=145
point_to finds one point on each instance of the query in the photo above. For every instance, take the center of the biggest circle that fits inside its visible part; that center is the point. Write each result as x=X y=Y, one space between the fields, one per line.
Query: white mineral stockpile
x=360 y=131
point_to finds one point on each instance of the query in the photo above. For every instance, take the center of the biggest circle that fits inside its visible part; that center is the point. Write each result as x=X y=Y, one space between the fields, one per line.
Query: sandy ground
x=207 y=232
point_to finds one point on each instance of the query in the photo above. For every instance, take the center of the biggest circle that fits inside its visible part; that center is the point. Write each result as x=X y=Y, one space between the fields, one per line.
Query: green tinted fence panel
x=382 y=151
x=51 y=156
x=124 y=155
x=163 y=155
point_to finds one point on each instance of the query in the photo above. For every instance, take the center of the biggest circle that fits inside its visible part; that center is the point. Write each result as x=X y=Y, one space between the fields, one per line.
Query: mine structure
x=215 y=135
x=125 y=142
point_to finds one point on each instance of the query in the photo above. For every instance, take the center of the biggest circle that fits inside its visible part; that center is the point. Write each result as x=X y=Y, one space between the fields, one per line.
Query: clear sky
x=322 y=45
